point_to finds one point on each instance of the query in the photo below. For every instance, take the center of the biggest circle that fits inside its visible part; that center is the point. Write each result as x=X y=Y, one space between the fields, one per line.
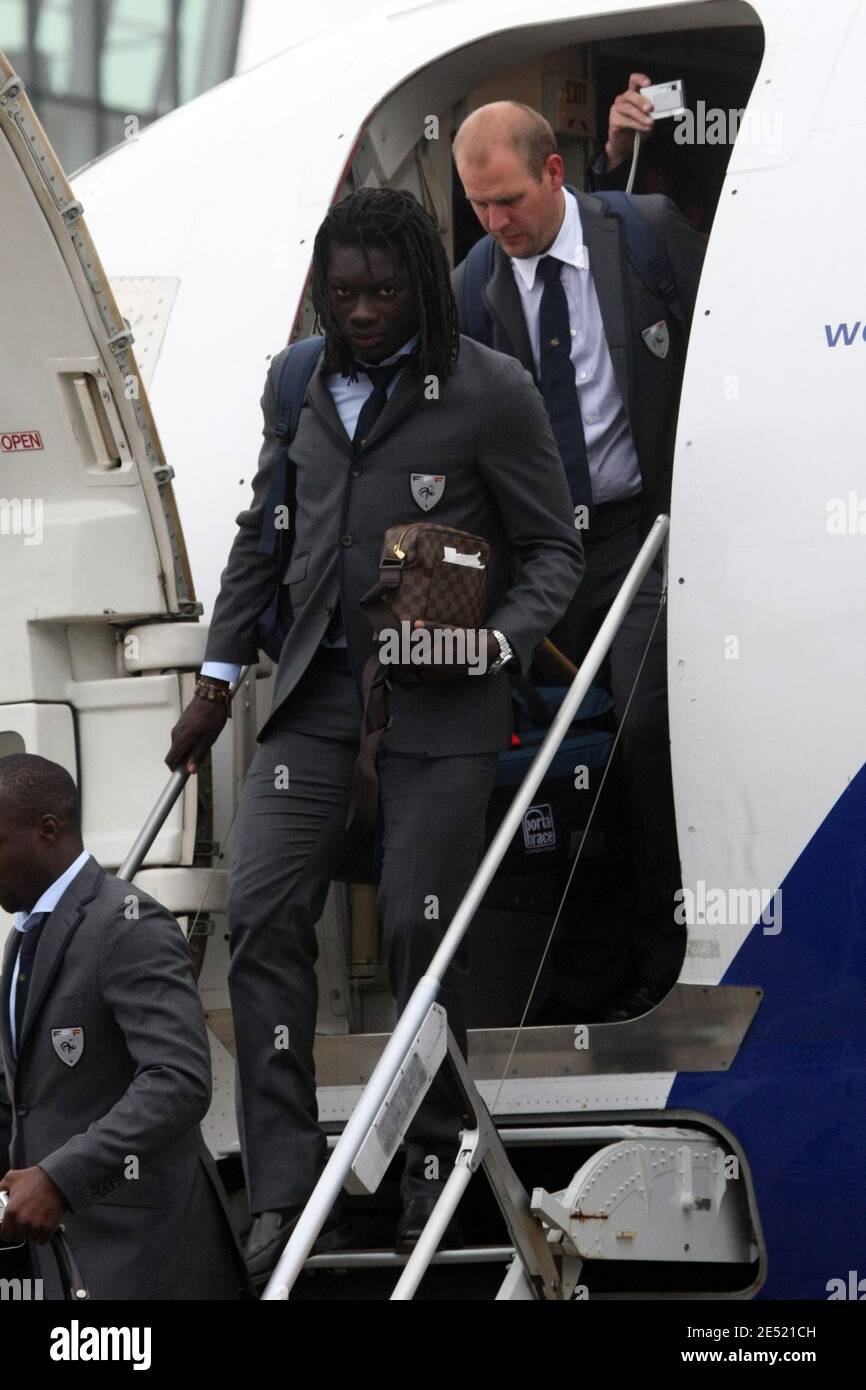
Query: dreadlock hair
x=390 y=219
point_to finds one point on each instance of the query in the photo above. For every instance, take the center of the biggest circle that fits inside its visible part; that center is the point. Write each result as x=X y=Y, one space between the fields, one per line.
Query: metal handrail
x=328 y=1187
x=167 y=797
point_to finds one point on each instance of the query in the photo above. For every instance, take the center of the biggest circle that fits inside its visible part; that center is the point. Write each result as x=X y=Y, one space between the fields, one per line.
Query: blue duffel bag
x=560 y=808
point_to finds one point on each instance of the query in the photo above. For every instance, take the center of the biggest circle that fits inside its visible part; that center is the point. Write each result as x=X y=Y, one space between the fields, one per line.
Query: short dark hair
x=390 y=219
x=32 y=786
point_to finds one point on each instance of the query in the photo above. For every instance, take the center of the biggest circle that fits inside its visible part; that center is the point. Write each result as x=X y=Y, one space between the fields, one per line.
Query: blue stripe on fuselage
x=795 y=1096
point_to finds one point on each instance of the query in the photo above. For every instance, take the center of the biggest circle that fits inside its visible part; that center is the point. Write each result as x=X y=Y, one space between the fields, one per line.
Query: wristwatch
x=505 y=653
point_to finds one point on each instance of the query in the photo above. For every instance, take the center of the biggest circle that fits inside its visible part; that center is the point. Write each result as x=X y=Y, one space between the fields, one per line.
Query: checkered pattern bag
x=425 y=571
x=421 y=576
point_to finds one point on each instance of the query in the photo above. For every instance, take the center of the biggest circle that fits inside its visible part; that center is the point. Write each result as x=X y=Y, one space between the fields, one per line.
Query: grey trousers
x=657 y=940
x=287 y=844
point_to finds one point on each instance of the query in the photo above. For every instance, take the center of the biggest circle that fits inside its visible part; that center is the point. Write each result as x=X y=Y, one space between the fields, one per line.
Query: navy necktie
x=557 y=381
x=370 y=412
x=26 y=957
x=378 y=397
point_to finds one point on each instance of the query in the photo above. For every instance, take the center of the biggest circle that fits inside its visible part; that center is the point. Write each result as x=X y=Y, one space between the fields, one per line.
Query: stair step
x=391 y=1259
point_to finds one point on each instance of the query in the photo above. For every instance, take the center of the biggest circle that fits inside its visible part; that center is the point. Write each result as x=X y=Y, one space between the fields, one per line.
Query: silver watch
x=505 y=653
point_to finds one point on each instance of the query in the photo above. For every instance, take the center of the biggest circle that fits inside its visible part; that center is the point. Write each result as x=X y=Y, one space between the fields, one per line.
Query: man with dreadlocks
x=397 y=393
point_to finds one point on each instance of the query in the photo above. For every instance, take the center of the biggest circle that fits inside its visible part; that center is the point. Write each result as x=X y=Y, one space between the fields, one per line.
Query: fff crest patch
x=427 y=488
x=657 y=338
x=68 y=1043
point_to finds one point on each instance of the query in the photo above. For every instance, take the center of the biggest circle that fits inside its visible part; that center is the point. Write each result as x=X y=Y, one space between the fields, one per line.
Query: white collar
x=52 y=895
x=568 y=246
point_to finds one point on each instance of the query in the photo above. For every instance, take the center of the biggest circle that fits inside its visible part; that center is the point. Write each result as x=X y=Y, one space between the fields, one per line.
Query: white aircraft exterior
x=204 y=224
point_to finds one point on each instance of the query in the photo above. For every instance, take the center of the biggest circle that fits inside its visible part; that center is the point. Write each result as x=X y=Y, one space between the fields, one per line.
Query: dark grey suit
x=131 y=1103
x=488 y=433
x=649 y=386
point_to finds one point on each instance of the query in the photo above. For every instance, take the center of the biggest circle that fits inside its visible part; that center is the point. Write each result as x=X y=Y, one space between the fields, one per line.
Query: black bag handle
x=74 y=1288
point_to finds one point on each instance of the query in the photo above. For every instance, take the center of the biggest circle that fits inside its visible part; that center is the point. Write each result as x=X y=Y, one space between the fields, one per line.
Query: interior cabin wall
x=542 y=84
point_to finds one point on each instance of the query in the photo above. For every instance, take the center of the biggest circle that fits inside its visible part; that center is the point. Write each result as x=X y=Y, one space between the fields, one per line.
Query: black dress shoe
x=644 y=997
x=271 y=1229
x=414 y=1217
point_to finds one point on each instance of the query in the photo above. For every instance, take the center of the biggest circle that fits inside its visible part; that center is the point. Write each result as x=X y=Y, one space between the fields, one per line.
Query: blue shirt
x=349 y=397
x=23 y=921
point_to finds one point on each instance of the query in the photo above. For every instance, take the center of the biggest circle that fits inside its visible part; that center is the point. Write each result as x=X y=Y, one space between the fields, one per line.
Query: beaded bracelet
x=205 y=691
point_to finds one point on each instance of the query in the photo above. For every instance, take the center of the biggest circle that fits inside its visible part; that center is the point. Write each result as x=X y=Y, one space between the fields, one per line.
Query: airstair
x=651 y=1193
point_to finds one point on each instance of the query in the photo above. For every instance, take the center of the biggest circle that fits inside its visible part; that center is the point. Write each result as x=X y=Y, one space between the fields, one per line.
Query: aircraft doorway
x=571 y=73
x=685 y=160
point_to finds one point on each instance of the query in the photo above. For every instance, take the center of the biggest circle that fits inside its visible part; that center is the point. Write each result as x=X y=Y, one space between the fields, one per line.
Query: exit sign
x=573 y=106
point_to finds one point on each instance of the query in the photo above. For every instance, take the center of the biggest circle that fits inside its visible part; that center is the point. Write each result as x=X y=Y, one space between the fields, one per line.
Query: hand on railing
x=34 y=1206
x=196 y=731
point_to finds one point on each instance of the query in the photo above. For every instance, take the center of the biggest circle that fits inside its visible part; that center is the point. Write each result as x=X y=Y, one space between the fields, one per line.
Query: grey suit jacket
x=649 y=385
x=486 y=431
x=131 y=1103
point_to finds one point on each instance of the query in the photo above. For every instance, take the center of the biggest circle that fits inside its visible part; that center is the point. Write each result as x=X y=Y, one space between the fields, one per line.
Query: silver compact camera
x=668 y=98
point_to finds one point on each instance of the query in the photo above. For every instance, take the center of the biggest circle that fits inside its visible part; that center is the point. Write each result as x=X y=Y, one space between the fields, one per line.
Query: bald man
x=554 y=286
x=104 y=1066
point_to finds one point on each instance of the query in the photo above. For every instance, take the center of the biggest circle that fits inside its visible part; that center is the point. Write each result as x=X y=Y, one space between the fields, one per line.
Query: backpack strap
x=298 y=366
x=477 y=270
x=645 y=250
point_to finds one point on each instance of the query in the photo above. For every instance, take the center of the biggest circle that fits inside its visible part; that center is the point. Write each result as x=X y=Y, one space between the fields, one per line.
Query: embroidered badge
x=427 y=488
x=68 y=1043
x=657 y=338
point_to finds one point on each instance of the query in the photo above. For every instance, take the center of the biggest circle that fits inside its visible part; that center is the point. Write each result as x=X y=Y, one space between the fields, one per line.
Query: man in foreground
x=106 y=1066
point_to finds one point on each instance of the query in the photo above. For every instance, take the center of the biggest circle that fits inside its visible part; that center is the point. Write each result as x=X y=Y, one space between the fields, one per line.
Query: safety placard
x=13 y=440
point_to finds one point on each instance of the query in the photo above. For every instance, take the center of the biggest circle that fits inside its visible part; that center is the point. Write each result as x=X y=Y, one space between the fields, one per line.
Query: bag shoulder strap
x=645 y=249
x=296 y=370
x=477 y=270
x=298 y=366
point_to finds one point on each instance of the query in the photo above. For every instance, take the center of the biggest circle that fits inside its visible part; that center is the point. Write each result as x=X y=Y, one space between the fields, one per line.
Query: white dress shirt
x=23 y=921
x=349 y=397
x=614 y=471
